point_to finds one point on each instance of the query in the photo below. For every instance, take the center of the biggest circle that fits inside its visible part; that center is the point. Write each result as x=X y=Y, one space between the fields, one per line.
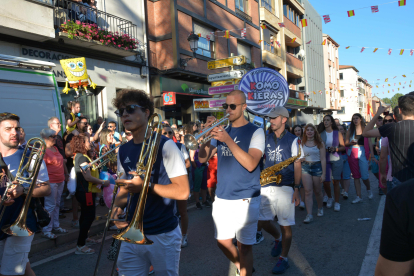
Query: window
x=267 y=5
x=205 y=47
x=342 y=111
x=341 y=76
x=243 y=49
x=342 y=93
x=242 y=5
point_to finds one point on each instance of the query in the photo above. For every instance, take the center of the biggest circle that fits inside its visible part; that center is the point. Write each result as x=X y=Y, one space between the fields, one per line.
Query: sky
x=388 y=28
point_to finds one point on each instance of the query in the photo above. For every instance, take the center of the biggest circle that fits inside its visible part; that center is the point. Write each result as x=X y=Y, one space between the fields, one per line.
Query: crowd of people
x=223 y=173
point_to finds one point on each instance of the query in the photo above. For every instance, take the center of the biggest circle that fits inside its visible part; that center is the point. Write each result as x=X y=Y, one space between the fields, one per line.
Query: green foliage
x=393 y=101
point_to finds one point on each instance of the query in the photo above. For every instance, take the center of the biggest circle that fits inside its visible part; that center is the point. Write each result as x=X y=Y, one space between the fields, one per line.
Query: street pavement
x=334 y=244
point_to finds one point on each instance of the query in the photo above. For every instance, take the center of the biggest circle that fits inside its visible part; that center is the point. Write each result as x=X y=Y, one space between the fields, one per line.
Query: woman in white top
x=313 y=169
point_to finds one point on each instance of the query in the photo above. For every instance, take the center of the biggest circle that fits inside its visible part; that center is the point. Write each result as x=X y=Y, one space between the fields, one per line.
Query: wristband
x=297 y=186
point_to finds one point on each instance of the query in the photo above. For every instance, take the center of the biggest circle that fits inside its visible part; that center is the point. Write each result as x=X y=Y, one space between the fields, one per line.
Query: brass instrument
x=191 y=141
x=98 y=163
x=269 y=175
x=26 y=174
x=134 y=233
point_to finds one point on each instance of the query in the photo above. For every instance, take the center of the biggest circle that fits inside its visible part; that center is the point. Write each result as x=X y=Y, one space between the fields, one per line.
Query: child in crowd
x=73 y=117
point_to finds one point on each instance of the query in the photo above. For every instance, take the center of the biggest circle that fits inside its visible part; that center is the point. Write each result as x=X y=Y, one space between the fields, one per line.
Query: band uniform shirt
x=11 y=212
x=279 y=150
x=159 y=215
x=233 y=180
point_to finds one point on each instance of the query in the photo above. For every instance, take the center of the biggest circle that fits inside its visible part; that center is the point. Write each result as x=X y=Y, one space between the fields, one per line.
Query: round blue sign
x=265 y=89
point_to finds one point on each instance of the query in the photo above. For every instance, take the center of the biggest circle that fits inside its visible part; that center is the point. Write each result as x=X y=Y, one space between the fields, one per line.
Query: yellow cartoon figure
x=77 y=75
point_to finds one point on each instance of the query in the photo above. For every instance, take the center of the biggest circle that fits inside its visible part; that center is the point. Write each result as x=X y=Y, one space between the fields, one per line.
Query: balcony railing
x=66 y=10
x=268 y=47
x=294 y=61
x=292 y=27
x=243 y=15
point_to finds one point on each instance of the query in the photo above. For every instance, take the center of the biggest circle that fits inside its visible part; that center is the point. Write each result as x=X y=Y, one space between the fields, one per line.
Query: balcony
x=269 y=15
x=27 y=19
x=292 y=27
x=294 y=66
x=86 y=27
x=272 y=55
x=243 y=15
x=297 y=4
x=267 y=6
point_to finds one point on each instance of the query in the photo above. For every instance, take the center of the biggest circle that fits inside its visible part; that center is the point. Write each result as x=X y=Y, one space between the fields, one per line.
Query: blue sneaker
x=276 y=249
x=280 y=267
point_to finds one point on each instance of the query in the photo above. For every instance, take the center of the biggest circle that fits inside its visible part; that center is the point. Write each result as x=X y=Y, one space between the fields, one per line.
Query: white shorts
x=14 y=254
x=236 y=217
x=163 y=255
x=277 y=201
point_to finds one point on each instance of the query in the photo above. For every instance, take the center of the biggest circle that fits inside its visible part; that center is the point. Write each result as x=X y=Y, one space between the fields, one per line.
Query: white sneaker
x=357 y=200
x=337 y=207
x=308 y=219
x=345 y=195
x=320 y=212
x=370 y=195
x=342 y=191
x=325 y=199
x=184 y=241
x=329 y=203
x=302 y=205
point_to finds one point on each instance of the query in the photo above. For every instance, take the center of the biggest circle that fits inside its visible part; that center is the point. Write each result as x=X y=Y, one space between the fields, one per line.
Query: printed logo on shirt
x=268 y=145
x=225 y=151
x=127 y=160
x=275 y=154
x=10 y=170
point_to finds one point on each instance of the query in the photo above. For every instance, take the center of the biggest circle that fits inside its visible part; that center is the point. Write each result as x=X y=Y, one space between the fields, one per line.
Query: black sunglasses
x=129 y=109
x=388 y=121
x=168 y=132
x=232 y=106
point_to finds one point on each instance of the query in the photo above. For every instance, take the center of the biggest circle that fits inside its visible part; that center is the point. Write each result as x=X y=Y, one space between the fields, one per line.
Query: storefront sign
x=236 y=74
x=226 y=82
x=265 y=88
x=180 y=86
x=292 y=101
x=222 y=89
x=227 y=62
x=209 y=104
x=169 y=98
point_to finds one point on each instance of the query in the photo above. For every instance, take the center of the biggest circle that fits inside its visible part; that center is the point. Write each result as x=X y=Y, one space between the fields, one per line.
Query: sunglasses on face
x=168 y=132
x=232 y=106
x=129 y=109
x=388 y=121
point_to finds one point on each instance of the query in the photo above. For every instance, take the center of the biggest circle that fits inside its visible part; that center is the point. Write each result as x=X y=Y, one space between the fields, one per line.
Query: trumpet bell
x=134 y=236
x=17 y=230
x=190 y=142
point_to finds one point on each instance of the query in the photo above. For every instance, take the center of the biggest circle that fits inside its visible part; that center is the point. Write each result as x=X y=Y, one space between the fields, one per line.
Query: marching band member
x=279 y=200
x=14 y=251
x=239 y=148
x=169 y=182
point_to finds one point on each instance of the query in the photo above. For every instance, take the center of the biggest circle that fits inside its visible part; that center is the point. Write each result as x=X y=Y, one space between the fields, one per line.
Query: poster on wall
x=265 y=89
x=169 y=98
x=208 y=104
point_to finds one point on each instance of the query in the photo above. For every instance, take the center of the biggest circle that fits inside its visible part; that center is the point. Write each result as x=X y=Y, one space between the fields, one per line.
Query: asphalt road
x=334 y=244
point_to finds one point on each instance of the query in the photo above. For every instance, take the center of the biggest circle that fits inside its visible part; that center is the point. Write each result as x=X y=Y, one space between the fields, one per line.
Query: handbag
x=42 y=215
x=72 y=182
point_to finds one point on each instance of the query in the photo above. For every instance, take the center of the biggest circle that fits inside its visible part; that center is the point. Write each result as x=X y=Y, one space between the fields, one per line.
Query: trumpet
x=98 y=163
x=26 y=175
x=190 y=141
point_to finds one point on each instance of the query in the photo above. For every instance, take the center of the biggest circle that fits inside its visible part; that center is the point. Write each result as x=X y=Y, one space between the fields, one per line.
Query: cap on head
x=47 y=132
x=278 y=111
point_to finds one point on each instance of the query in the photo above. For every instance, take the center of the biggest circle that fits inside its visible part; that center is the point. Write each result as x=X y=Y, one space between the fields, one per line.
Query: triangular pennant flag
x=377 y=86
x=363 y=48
x=401 y=52
x=309 y=42
x=389 y=51
x=208 y=37
x=304 y=23
x=347 y=47
x=386 y=80
x=260 y=41
x=351 y=13
x=227 y=34
x=394 y=77
x=402 y=3
x=293 y=40
x=398 y=89
x=277 y=43
x=324 y=42
x=376 y=49
x=389 y=84
x=374 y=9
x=243 y=33
x=326 y=19
x=411 y=52
x=399 y=83
x=314 y=92
x=281 y=25
x=404 y=76
x=199 y=35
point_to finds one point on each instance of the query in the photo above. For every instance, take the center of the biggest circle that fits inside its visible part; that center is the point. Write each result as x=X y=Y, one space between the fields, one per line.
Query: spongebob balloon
x=77 y=75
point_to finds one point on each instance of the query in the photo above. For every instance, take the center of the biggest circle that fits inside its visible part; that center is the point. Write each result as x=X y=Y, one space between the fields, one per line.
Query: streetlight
x=193 y=40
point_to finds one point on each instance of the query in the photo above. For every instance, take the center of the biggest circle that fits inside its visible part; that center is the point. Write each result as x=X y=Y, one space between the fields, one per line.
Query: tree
x=393 y=101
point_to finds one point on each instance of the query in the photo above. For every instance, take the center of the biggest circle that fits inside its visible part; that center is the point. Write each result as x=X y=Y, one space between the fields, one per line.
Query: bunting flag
x=347 y=47
x=411 y=52
x=394 y=77
x=277 y=43
x=208 y=37
x=281 y=25
x=304 y=23
x=393 y=90
x=243 y=33
x=377 y=86
x=404 y=76
x=263 y=26
x=386 y=80
x=389 y=51
x=382 y=86
x=309 y=42
x=363 y=48
x=314 y=92
x=402 y=3
x=401 y=52
x=399 y=83
x=326 y=19
x=199 y=35
x=398 y=89
x=376 y=49
x=389 y=84
x=227 y=34
x=324 y=42
x=374 y=9
x=403 y=87
x=351 y=13
x=293 y=40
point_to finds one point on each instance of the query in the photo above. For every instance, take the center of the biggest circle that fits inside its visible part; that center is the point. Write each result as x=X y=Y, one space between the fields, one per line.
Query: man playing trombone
x=236 y=208
x=14 y=250
x=169 y=182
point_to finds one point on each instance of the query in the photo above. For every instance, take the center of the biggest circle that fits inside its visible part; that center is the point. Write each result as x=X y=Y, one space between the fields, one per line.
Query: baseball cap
x=47 y=132
x=278 y=111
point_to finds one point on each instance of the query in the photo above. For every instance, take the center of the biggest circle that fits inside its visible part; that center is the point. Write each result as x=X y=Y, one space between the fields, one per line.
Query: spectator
x=99 y=122
x=54 y=124
x=90 y=14
x=298 y=132
x=346 y=171
x=385 y=173
x=57 y=175
x=178 y=136
x=117 y=136
x=22 y=140
x=128 y=135
x=397 y=114
x=107 y=143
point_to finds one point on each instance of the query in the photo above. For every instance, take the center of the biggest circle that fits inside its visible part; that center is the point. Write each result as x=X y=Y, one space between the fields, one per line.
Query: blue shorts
x=346 y=171
x=374 y=166
x=313 y=169
x=334 y=168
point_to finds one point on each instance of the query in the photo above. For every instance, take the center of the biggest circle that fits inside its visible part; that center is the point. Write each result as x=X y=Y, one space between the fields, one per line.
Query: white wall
x=350 y=101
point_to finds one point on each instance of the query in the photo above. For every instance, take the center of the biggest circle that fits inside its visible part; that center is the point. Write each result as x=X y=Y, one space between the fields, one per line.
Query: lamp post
x=193 y=40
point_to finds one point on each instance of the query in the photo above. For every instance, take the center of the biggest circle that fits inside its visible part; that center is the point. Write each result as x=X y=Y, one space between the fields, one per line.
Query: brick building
x=169 y=24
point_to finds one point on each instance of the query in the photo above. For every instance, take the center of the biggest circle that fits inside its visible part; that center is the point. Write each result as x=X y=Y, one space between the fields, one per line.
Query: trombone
x=101 y=161
x=26 y=175
x=190 y=141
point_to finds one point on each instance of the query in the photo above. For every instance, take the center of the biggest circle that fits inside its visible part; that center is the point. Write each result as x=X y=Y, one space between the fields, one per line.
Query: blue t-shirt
x=279 y=150
x=12 y=212
x=159 y=214
x=233 y=180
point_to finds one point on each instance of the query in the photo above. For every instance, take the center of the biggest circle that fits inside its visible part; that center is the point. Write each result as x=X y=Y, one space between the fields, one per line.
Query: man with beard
x=14 y=250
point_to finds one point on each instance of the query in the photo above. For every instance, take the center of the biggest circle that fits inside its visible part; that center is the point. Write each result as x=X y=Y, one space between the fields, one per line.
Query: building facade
x=348 y=82
x=41 y=29
x=176 y=69
x=331 y=63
